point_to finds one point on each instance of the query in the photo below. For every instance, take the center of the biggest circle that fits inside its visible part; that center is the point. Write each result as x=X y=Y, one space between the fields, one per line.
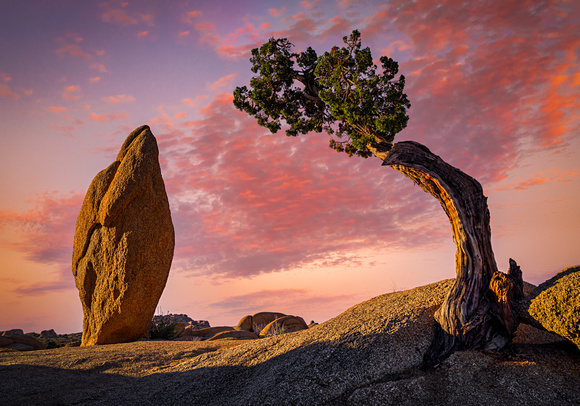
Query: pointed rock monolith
x=123 y=245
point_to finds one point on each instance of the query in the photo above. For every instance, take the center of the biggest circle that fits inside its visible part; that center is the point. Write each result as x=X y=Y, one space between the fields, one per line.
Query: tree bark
x=473 y=316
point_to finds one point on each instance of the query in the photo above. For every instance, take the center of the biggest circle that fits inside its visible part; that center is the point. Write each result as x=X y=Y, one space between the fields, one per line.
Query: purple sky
x=265 y=222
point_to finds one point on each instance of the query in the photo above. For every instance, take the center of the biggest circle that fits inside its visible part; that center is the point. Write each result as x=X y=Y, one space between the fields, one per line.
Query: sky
x=266 y=222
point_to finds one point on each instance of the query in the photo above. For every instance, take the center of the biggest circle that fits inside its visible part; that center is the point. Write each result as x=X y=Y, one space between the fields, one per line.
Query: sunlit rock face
x=556 y=304
x=123 y=245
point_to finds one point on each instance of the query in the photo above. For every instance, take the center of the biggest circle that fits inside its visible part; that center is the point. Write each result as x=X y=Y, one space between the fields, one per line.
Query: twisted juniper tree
x=341 y=93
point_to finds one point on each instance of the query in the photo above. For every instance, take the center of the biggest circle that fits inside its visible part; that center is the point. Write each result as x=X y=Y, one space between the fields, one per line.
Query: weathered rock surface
x=123 y=244
x=368 y=355
x=205 y=333
x=556 y=304
x=282 y=325
x=246 y=323
x=234 y=334
x=4 y=341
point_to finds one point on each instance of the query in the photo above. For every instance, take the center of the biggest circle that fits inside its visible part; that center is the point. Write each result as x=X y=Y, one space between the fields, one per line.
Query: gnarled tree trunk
x=474 y=315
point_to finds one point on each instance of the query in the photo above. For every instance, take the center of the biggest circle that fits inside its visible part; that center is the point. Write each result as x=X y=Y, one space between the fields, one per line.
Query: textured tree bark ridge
x=473 y=316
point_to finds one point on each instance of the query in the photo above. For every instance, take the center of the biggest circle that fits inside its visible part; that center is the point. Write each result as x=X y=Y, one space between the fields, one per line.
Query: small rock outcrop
x=258 y=321
x=48 y=334
x=283 y=325
x=123 y=245
x=181 y=323
x=555 y=304
x=16 y=340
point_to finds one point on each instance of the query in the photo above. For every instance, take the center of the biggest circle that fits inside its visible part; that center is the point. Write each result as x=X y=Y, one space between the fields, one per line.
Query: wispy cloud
x=222 y=83
x=6 y=91
x=65 y=282
x=121 y=98
x=119 y=13
x=105 y=118
x=262 y=203
x=71 y=92
x=554 y=175
x=277 y=13
x=44 y=235
x=191 y=17
x=70 y=45
x=194 y=102
x=57 y=109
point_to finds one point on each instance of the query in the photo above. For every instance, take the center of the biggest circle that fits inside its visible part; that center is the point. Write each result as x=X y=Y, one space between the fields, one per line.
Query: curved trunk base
x=473 y=316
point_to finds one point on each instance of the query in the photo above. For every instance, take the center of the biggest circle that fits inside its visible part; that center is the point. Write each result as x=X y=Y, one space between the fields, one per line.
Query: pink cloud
x=118 y=16
x=71 y=92
x=263 y=203
x=45 y=234
x=57 y=109
x=73 y=50
x=191 y=16
x=376 y=24
x=194 y=102
x=100 y=67
x=95 y=79
x=554 y=175
x=222 y=82
x=6 y=91
x=70 y=46
x=105 y=118
x=236 y=44
x=277 y=13
x=477 y=85
x=117 y=12
x=121 y=98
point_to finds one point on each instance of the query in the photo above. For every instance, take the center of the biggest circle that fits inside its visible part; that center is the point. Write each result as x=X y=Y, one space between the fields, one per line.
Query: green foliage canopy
x=339 y=92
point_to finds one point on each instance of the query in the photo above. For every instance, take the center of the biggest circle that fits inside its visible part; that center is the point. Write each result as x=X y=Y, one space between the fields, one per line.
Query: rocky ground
x=370 y=354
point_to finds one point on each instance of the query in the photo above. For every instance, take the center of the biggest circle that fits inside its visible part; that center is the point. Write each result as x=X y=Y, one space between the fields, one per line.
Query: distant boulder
x=13 y=339
x=246 y=323
x=48 y=334
x=258 y=321
x=555 y=304
x=282 y=325
x=180 y=323
x=123 y=245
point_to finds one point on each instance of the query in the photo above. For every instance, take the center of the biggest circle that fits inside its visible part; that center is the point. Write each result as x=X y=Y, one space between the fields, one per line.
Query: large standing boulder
x=555 y=304
x=123 y=245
